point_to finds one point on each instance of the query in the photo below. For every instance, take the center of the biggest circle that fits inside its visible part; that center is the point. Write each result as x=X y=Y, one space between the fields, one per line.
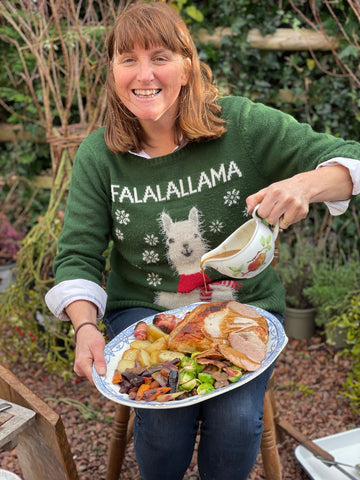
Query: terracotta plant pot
x=300 y=323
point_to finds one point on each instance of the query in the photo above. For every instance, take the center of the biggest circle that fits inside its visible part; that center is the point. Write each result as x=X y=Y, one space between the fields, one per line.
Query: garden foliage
x=56 y=89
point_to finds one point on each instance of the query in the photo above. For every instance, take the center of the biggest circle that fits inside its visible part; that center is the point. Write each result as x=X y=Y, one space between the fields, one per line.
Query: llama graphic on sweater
x=185 y=247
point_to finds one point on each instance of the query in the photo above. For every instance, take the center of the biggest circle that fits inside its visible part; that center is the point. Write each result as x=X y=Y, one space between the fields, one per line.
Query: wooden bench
x=42 y=447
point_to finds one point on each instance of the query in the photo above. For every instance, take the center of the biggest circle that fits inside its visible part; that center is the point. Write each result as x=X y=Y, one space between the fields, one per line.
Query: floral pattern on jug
x=256 y=262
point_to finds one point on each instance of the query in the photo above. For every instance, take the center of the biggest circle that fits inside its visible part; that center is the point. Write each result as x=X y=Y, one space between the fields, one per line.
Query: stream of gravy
x=225 y=254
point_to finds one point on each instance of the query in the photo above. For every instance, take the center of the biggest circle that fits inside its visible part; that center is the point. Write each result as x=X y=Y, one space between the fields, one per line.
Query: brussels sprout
x=236 y=374
x=190 y=385
x=185 y=376
x=206 y=378
x=195 y=353
x=205 y=388
x=189 y=364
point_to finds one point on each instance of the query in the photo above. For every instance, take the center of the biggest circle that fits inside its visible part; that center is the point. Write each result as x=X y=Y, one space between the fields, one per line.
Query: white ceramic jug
x=246 y=252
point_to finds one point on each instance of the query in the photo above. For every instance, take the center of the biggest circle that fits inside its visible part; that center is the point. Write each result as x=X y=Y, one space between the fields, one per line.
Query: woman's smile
x=147 y=93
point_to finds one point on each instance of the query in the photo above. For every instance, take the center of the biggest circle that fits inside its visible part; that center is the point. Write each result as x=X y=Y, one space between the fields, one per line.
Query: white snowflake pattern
x=151 y=239
x=245 y=212
x=122 y=217
x=149 y=256
x=216 y=226
x=154 y=279
x=232 y=197
x=119 y=234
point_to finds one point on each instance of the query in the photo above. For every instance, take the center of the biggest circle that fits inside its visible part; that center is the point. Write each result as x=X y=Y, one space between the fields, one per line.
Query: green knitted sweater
x=164 y=213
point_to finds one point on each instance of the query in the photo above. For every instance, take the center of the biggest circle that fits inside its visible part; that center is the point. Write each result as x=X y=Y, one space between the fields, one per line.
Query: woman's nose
x=145 y=71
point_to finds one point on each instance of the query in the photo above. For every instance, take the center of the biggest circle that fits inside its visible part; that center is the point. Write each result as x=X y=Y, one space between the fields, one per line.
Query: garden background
x=299 y=56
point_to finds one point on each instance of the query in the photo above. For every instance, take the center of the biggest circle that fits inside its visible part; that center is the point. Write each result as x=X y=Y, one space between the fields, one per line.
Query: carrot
x=154 y=384
x=117 y=377
x=152 y=393
x=141 y=392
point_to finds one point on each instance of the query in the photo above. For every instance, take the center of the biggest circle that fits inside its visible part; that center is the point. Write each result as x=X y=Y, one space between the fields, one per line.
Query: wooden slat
x=43 y=449
x=281 y=39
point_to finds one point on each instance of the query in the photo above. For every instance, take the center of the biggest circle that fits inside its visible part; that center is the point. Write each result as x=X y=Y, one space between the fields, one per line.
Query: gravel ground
x=309 y=375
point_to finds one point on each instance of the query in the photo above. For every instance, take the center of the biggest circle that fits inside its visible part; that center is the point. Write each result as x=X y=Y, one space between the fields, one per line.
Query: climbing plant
x=59 y=47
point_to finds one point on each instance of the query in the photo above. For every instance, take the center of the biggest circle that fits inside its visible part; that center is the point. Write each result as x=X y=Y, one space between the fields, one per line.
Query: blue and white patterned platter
x=116 y=347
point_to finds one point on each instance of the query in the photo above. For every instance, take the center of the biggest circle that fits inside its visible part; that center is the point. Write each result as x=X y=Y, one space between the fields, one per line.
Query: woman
x=175 y=170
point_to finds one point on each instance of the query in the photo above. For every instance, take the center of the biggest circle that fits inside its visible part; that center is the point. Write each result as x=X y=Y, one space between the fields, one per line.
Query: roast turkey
x=227 y=329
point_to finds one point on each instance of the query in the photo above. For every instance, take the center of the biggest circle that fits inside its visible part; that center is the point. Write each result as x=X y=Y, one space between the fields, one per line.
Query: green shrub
x=348 y=319
x=331 y=282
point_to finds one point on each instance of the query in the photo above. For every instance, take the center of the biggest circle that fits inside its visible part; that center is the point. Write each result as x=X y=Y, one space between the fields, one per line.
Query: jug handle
x=257 y=217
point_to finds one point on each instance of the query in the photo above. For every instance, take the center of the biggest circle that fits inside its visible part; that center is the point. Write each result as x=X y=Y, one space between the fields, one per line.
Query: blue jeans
x=231 y=427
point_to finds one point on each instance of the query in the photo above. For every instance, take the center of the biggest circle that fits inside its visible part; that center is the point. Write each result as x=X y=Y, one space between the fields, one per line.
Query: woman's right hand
x=90 y=344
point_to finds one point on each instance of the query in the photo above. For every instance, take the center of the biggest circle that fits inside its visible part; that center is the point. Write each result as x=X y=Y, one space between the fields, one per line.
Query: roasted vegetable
x=205 y=388
x=185 y=376
x=173 y=380
x=167 y=397
x=154 y=332
x=117 y=377
x=152 y=393
x=190 y=385
x=234 y=373
x=206 y=378
x=140 y=344
x=169 y=356
x=140 y=392
x=160 y=379
x=190 y=365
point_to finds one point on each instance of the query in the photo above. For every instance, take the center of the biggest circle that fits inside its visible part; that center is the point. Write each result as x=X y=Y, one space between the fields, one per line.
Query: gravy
x=225 y=254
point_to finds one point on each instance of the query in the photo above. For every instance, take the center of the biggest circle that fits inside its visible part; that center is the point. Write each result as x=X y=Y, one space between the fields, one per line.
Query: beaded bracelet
x=81 y=325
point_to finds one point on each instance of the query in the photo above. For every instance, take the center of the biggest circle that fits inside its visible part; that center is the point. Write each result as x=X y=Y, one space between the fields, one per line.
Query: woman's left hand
x=288 y=200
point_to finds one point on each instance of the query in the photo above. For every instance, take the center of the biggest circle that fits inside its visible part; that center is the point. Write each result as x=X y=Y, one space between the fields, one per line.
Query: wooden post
x=281 y=39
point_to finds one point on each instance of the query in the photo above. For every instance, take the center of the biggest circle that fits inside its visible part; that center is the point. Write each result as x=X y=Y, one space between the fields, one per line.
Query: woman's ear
x=186 y=72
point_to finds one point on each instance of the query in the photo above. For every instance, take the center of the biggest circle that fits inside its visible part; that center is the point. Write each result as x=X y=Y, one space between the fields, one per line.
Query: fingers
x=254 y=200
x=99 y=360
x=89 y=351
x=281 y=202
x=284 y=224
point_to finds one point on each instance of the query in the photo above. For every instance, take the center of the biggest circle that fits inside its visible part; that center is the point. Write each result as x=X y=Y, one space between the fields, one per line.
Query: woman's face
x=148 y=82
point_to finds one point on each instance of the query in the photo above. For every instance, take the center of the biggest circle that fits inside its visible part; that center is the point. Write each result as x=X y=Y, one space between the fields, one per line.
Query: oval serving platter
x=115 y=348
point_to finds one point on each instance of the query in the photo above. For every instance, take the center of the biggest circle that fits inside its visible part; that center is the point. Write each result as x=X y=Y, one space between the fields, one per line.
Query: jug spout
x=215 y=258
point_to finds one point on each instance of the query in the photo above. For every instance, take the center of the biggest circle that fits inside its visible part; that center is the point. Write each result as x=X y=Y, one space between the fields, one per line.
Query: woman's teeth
x=147 y=93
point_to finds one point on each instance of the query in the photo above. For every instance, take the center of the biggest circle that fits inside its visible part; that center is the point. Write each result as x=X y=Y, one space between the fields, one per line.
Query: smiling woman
x=148 y=83
x=174 y=172
x=156 y=54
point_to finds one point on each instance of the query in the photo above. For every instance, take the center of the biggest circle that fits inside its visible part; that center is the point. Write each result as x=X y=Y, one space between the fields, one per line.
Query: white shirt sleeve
x=339 y=207
x=61 y=295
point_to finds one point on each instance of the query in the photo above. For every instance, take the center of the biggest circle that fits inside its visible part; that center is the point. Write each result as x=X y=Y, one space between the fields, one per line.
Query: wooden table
x=13 y=421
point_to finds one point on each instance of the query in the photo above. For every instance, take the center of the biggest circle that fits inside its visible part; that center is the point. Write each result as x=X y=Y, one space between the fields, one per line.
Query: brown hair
x=156 y=23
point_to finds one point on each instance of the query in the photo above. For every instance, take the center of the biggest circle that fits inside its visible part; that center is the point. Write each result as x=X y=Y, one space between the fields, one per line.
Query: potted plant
x=10 y=241
x=332 y=281
x=297 y=262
